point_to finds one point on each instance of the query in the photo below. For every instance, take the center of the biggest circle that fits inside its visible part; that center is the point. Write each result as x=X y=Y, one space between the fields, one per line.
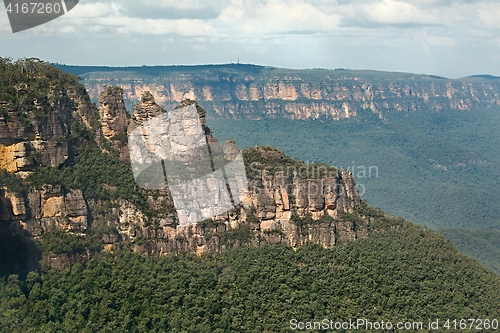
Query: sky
x=440 y=37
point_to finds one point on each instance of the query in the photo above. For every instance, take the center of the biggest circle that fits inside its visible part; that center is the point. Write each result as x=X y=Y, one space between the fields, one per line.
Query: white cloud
x=94 y=10
x=183 y=27
x=429 y=42
x=255 y=17
x=390 y=11
x=275 y=31
x=397 y=12
x=489 y=15
x=236 y=19
x=185 y=4
x=198 y=47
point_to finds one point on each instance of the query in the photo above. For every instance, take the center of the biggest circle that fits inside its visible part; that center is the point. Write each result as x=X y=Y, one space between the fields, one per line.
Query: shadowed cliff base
x=18 y=255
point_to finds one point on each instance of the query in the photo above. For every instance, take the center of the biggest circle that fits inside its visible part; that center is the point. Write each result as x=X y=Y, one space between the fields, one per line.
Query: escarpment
x=64 y=167
x=246 y=91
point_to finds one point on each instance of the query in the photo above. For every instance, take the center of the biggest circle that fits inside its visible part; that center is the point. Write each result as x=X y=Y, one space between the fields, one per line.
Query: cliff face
x=112 y=113
x=111 y=132
x=307 y=94
x=280 y=206
x=47 y=209
x=26 y=143
x=271 y=203
x=277 y=209
x=40 y=137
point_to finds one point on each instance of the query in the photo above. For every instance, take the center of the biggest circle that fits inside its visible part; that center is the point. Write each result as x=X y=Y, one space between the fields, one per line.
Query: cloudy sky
x=442 y=37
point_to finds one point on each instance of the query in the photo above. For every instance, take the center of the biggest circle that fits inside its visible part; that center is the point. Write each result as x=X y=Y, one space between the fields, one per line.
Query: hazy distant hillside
x=483 y=245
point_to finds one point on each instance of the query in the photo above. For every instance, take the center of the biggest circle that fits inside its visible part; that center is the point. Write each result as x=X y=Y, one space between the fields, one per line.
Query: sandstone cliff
x=280 y=206
x=113 y=121
x=29 y=142
x=272 y=211
x=112 y=113
x=35 y=129
x=255 y=92
x=272 y=202
x=41 y=210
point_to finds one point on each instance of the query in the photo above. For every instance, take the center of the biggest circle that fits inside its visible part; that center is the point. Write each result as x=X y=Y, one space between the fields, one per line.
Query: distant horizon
x=481 y=75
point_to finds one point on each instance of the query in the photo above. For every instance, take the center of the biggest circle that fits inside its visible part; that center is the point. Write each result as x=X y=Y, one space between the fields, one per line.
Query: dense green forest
x=408 y=273
x=481 y=244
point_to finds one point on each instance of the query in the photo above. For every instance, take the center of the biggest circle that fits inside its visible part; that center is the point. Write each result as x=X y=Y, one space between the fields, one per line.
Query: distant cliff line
x=255 y=92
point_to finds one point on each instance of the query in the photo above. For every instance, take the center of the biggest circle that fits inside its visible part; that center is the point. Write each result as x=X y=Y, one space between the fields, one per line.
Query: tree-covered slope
x=407 y=273
x=484 y=245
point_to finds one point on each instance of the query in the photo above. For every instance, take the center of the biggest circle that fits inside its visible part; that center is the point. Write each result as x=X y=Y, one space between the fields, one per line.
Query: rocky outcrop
x=16 y=157
x=256 y=92
x=84 y=111
x=144 y=111
x=12 y=205
x=289 y=207
x=112 y=113
x=31 y=214
x=64 y=261
x=114 y=121
x=40 y=136
x=46 y=209
x=29 y=142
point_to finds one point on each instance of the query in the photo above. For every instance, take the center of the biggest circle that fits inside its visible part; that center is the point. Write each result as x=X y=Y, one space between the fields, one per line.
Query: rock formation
x=279 y=207
x=268 y=199
x=29 y=142
x=272 y=202
x=269 y=215
x=113 y=119
x=146 y=109
x=112 y=113
x=46 y=209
